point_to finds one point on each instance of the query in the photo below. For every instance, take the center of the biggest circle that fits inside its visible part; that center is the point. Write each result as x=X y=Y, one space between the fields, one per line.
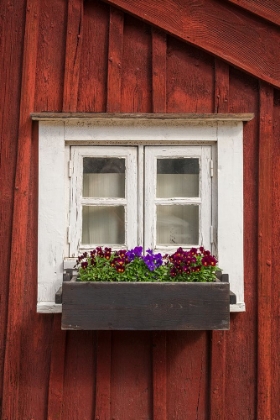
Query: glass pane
x=178 y=177
x=103 y=177
x=177 y=225
x=103 y=225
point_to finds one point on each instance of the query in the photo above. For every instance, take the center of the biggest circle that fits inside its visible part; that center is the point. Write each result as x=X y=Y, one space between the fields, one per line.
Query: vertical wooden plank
x=12 y=23
x=55 y=397
x=159 y=375
x=131 y=376
x=19 y=256
x=50 y=58
x=187 y=375
x=275 y=311
x=190 y=76
x=79 y=376
x=218 y=338
x=103 y=376
x=70 y=95
x=94 y=58
x=115 y=61
x=159 y=71
x=159 y=337
x=73 y=54
x=136 y=67
x=264 y=252
x=221 y=87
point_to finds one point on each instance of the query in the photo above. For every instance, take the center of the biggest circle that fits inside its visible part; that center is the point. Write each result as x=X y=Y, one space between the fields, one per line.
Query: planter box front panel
x=145 y=306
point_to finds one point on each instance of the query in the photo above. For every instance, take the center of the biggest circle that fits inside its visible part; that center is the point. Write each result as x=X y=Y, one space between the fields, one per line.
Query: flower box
x=145 y=306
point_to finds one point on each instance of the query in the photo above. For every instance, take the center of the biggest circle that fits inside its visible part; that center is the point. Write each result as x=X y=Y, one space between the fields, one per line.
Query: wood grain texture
x=221 y=100
x=115 y=61
x=145 y=306
x=135 y=375
x=136 y=87
x=103 y=376
x=159 y=375
x=94 y=58
x=55 y=394
x=11 y=22
x=159 y=71
x=51 y=56
x=187 y=375
x=264 y=254
x=19 y=255
x=231 y=40
x=268 y=9
x=218 y=338
x=73 y=54
x=275 y=303
x=79 y=376
x=190 y=79
x=61 y=116
x=131 y=375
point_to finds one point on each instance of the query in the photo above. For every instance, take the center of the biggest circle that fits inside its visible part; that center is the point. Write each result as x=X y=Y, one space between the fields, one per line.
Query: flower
x=152 y=260
x=135 y=252
x=196 y=264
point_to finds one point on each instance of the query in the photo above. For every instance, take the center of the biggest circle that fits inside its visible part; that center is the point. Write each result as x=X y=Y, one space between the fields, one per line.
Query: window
x=161 y=181
x=155 y=196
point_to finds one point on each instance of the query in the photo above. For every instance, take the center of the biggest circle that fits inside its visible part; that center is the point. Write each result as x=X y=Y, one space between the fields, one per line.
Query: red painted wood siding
x=87 y=56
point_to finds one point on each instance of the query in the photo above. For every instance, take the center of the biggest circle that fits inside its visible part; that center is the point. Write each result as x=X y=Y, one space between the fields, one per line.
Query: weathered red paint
x=235 y=41
x=91 y=57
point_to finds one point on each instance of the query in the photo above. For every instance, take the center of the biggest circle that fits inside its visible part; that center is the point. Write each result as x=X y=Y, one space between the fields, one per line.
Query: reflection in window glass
x=178 y=177
x=103 y=225
x=177 y=225
x=103 y=177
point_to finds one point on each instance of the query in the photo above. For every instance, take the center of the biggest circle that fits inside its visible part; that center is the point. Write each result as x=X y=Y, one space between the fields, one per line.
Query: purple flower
x=152 y=260
x=149 y=261
x=134 y=253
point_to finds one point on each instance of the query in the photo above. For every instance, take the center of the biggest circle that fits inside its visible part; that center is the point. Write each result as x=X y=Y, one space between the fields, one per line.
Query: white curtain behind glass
x=103 y=224
x=177 y=224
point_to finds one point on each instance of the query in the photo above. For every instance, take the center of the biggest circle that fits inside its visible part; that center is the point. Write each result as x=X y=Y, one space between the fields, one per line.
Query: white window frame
x=203 y=153
x=143 y=174
x=57 y=132
x=129 y=202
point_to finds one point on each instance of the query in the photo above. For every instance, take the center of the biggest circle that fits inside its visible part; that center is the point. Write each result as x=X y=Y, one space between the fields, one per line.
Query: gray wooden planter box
x=145 y=306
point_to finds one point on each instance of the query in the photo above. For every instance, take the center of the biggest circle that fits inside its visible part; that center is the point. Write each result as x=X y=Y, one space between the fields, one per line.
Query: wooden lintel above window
x=49 y=116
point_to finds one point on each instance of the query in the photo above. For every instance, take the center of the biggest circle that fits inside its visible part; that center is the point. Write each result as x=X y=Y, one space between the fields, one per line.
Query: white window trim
x=57 y=132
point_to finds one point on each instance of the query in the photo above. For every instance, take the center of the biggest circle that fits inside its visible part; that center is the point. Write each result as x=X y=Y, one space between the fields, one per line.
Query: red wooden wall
x=89 y=56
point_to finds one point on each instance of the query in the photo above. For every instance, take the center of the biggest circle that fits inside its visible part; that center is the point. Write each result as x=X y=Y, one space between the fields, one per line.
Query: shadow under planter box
x=145 y=306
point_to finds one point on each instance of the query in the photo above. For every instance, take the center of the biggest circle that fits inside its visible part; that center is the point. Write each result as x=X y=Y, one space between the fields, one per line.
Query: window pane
x=103 y=177
x=103 y=225
x=178 y=177
x=178 y=225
